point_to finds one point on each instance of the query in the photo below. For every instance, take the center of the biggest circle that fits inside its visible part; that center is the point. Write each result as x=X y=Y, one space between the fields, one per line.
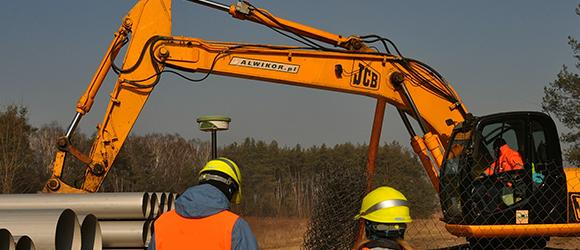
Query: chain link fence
x=507 y=211
x=337 y=201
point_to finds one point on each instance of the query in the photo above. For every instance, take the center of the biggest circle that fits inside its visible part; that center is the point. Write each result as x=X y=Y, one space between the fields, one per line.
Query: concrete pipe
x=6 y=240
x=154 y=205
x=91 y=236
x=102 y=205
x=162 y=203
x=125 y=234
x=25 y=243
x=149 y=226
x=171 y=201
x=49 y=229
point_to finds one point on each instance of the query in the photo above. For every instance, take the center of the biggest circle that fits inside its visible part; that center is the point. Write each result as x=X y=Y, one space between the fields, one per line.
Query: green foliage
x=278 y=181
x=15 y=152
x=562 y=98
x=286 y=181
x=156 y=162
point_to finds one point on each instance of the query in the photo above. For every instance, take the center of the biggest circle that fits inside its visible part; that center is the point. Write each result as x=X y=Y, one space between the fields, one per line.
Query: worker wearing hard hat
x=202 y=219
x=385 y=213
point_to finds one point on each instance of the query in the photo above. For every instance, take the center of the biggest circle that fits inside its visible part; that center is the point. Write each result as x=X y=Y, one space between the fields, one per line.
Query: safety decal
x=364 y=76
x=261 y=64
x=522 y=216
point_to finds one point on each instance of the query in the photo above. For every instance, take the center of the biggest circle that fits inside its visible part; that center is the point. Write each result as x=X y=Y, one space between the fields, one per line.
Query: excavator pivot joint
x=397 y=79
x=53 y=184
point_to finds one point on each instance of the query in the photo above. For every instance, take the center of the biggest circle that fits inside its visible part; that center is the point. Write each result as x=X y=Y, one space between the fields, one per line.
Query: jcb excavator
x=454 y=146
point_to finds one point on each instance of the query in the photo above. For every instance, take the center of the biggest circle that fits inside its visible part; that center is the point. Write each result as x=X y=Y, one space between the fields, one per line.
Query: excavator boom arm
x=409 y=85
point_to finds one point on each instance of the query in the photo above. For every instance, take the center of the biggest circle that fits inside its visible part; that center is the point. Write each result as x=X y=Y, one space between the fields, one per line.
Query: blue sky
x=498 y=55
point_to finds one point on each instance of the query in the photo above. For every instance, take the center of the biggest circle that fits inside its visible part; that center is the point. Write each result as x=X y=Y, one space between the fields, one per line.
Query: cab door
x=533 y=192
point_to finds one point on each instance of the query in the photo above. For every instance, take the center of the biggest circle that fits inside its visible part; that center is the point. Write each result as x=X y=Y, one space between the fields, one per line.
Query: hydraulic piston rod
x=212 y=4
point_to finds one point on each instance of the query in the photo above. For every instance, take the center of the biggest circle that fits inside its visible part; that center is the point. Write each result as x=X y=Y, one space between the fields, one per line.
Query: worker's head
x=385 y=212
x=497 y=144
x=225 y=175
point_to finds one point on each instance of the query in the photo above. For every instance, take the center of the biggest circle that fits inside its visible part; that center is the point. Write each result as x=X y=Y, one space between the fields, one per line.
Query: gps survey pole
x=213 y=124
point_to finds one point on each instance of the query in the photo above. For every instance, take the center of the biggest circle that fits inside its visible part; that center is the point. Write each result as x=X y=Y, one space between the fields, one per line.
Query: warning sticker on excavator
x=364 y=76
x=261 y=64
x=522 y=216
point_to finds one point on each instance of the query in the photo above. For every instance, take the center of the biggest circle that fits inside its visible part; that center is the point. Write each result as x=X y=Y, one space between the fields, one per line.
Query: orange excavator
x=540 y=200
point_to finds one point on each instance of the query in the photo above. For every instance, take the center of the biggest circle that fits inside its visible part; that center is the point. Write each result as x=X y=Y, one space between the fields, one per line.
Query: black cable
x=414 y=74
x=383 y=40
x=191 y=79
x=136 y=83
x=417 y=76
x=118 y=70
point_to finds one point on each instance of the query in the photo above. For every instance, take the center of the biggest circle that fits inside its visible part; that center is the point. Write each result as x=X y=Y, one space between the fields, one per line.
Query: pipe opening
x=162 y=204
x=145 y=205
x=25 y=243
x=6 y=240
x=68 y=231
x=91 y=237
x=154 y=205
x=171 y=201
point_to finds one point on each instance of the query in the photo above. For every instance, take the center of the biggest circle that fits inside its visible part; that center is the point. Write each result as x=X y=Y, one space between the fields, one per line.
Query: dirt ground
x=288 y=233
x=278 y=233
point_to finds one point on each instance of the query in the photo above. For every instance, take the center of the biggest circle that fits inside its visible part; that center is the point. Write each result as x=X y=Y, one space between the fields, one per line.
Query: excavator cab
x=534 y=194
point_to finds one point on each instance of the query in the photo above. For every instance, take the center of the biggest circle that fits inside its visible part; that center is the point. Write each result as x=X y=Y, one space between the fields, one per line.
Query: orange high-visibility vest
x=173 y=231
x=509 y=159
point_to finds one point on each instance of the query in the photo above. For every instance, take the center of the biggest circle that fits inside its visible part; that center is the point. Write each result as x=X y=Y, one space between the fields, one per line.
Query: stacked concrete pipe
x=108 y=220
x=48 y=229
x=10 y=242
x=102 y=205
x=126 y=234
x=166 y=202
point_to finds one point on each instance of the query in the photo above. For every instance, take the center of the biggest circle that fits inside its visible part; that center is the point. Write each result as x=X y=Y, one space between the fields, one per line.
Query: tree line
x=277 y=180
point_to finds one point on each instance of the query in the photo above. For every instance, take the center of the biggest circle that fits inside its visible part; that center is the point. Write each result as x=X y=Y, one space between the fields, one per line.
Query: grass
x=278 y=233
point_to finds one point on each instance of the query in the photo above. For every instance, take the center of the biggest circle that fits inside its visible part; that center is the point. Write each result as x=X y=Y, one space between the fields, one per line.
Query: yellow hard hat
x=385 y=205
x=227 y=167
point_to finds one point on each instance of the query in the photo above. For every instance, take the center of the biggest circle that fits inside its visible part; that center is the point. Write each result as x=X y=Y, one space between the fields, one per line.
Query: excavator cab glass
x=521 y=181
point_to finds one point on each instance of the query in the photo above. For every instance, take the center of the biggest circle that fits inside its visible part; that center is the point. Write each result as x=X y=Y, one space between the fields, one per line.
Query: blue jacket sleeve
x=152 y=243
x=242 y=236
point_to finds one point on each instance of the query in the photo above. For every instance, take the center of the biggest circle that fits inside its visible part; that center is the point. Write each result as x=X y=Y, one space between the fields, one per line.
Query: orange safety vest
x=509 y=159
x=173 y=231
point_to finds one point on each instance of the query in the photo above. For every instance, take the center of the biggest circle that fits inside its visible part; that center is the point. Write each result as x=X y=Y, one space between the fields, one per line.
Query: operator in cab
x=202 y=218
x=507 y=159
x=385 y=213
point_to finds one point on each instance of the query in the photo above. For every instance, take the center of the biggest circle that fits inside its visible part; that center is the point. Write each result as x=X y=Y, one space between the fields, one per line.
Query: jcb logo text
x=365 y=77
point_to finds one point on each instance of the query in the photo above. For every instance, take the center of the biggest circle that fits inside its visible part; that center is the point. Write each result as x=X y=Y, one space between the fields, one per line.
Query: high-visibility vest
x=509 y=160
x=173 y=231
